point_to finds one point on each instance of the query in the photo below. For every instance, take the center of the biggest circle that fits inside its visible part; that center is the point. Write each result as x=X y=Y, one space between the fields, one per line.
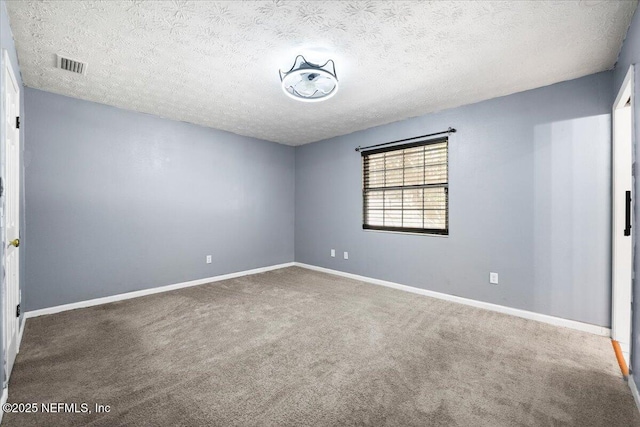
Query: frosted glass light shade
x=310 y=82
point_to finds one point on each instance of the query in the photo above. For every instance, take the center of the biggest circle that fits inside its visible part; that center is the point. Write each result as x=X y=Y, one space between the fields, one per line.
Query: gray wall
x=630 y=54
x=529 y=199
x=119 y=201
x=6 y=42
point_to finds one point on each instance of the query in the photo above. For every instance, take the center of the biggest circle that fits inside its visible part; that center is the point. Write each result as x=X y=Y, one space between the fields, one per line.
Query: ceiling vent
x=71 y=65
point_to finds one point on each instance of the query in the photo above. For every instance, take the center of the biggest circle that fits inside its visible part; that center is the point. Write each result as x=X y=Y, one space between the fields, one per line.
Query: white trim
x=144 y=292
x=370 y=230
x=634 y=391
x=3 y=400
x=622 y=247
x=626 y=88
x=544 y=318
x=557 y=321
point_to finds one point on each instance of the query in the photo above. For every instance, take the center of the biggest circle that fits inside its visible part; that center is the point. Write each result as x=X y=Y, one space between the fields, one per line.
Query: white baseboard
x=136 y=294
x=634 y=391
x=557 y=321
x=3 y=400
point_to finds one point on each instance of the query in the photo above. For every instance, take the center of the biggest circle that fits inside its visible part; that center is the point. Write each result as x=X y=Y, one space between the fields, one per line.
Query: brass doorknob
x=15 y=242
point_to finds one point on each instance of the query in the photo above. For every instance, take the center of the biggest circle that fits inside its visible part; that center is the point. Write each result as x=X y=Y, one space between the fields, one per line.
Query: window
x=405 y=188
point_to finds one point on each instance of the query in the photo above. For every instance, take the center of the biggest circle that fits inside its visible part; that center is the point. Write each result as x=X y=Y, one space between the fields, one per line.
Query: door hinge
x=18 y=122
x=18 y=310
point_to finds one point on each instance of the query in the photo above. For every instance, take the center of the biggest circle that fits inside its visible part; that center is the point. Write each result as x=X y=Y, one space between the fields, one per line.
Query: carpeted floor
x=295 y=347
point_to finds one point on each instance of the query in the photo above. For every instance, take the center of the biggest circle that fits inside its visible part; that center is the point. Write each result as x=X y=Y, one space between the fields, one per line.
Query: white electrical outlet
x=333 y=253
x=493 y=278
x=346 y=255
x=208 y=259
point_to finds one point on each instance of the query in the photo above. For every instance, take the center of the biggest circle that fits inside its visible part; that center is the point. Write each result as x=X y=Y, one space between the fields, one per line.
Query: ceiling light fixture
x=310 y=82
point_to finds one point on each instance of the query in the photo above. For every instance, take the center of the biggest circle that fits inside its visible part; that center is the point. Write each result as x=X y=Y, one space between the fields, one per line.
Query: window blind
x=405 y=188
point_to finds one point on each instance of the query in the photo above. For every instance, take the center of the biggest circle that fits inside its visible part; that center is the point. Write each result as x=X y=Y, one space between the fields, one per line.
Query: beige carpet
x=295 y=347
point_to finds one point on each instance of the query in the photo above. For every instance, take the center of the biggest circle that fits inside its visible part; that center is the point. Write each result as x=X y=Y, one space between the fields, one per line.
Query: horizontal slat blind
x=406 y=188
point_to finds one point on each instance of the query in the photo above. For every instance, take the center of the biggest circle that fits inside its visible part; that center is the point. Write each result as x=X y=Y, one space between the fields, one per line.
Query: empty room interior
x=320 y=213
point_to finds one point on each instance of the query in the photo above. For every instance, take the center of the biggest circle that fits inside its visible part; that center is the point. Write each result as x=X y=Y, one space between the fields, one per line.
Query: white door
x=11 y=182
x=622 y=217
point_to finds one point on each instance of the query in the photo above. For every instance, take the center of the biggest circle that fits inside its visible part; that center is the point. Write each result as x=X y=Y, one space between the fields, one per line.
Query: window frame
x=441 y=232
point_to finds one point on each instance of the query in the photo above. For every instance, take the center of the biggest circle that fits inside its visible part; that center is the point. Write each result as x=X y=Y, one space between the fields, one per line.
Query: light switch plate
x=333 y=253
x=346 y=255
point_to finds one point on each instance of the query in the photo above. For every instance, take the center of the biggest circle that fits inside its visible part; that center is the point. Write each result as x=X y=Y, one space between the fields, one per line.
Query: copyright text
x=56 y=407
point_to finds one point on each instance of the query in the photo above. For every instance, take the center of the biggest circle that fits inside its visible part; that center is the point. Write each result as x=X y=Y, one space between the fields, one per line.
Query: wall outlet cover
x=493 y=278
x=333 y=253
x=346 y=255
x=208 y=259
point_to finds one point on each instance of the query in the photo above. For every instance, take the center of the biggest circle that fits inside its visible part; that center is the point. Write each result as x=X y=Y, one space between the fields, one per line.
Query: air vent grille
x=71 y=65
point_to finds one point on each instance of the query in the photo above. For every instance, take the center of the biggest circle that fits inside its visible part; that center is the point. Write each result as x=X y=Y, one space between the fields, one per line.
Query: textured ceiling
x=216 y=63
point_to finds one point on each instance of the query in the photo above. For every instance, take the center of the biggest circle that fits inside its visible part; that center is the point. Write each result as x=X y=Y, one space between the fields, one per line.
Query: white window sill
x=405 y=232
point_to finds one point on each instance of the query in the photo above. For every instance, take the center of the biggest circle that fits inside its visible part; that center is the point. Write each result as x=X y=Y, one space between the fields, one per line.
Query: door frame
x=622 y=290
x=8 y=65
